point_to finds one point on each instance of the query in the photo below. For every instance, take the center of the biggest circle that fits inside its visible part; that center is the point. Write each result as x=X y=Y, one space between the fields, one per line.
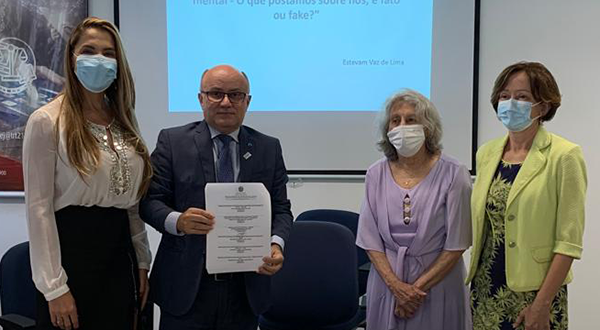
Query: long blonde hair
x=82 y=149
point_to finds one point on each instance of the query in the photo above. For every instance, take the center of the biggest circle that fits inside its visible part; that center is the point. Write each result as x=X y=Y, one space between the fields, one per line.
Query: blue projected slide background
x=302 y=55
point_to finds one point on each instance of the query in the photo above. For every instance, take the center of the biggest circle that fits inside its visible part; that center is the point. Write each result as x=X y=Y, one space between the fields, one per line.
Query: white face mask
x=407 y=139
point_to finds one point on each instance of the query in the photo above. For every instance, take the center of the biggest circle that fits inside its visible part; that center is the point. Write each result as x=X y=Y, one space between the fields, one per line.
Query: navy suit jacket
x=183 y=163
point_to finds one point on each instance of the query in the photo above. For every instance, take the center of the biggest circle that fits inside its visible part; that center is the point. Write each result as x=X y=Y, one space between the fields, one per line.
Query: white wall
x=563 y=35
x=102 y=9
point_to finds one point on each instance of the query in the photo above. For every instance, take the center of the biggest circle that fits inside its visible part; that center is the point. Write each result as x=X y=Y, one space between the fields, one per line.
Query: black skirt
x=98 y=256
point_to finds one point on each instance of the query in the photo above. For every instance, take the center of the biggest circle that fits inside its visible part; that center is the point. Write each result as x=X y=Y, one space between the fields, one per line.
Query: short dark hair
x=543 y=86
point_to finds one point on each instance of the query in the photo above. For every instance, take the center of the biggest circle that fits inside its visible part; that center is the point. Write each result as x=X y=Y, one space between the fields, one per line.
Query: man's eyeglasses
x=217 y=96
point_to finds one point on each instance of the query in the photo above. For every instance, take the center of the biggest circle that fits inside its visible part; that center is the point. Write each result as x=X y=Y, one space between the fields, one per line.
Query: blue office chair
x=317 y=287
x=349 y=220
x=17 y=291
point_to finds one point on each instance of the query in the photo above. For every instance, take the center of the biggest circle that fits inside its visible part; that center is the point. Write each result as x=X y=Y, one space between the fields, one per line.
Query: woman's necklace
x=408 y=177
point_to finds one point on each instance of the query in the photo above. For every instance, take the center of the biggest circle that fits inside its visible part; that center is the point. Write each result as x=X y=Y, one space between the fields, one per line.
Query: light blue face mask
x=96 y=72
x=515 y=115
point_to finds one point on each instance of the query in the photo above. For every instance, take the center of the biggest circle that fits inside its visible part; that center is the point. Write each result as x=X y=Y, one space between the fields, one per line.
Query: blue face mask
x=96 y=72
x=515 y=115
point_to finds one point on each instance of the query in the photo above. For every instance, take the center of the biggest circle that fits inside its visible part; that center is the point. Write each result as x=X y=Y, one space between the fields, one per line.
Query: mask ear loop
x=538 y=117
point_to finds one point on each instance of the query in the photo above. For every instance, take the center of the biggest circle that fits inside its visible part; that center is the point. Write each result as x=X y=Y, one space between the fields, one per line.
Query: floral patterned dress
x=495 y=306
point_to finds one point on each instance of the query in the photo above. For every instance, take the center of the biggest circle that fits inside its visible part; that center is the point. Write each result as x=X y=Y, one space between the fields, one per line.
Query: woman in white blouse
x=85 y=168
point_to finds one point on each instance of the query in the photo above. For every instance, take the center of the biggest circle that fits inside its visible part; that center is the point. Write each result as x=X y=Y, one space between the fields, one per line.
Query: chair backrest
x=17 y=291
x=345 y=218
x=317 y=285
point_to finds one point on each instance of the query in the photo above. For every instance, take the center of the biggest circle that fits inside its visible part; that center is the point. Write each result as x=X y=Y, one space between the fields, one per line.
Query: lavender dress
x=440 y=219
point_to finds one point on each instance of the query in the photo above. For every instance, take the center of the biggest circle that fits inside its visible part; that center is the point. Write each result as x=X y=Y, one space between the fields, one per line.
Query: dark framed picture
x=33 y=36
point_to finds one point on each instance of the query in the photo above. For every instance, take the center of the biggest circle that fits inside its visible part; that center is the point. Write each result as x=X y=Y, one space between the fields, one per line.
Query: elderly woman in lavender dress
x=415 y=224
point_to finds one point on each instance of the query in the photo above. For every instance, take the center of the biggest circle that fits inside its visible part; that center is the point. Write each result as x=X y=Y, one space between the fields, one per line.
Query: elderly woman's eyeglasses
x=217 y=96
x=406 y=209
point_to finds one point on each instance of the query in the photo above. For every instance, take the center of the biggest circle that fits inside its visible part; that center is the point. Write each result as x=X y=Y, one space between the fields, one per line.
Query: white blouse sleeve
x=139 y=236
x=39 y=162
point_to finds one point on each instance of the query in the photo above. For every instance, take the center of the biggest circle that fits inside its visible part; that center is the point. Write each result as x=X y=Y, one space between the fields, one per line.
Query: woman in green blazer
x=527 y=209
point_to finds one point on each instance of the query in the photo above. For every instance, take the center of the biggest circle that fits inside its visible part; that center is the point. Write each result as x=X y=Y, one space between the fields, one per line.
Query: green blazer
x=545 y=208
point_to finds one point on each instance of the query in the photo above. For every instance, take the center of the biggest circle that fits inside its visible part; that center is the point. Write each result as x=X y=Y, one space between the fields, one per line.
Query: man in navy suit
x=217 y=149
